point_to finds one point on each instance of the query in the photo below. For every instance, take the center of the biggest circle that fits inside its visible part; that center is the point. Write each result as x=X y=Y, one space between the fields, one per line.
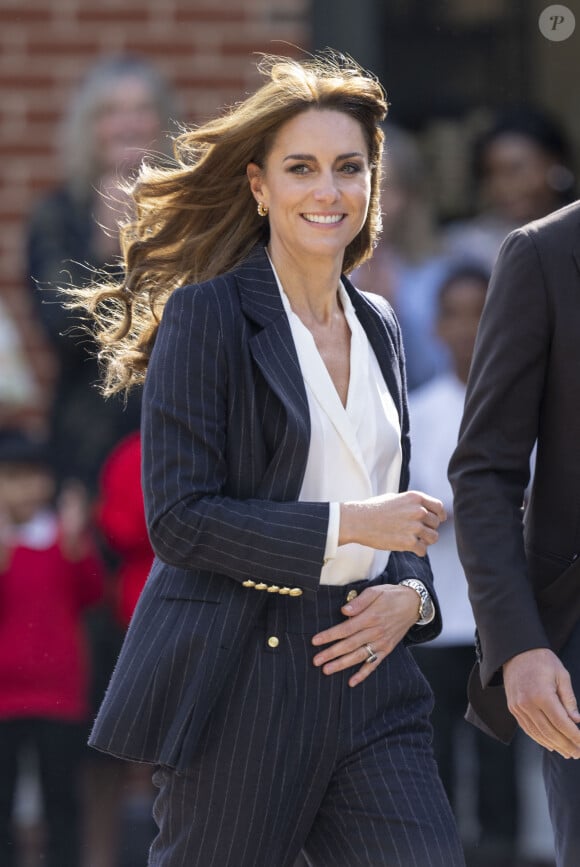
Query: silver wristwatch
x=426 y=606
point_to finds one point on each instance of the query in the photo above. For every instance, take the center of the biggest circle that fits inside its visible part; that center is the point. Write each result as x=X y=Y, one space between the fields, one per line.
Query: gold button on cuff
x=296 y=591
x=352 y=594
x=248 y=583
x=273 y=641
x=261 y=586
x=284 y=591
x=273 y=588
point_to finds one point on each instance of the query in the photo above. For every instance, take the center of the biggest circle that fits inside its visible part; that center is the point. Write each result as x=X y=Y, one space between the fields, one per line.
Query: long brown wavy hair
x=197 y=218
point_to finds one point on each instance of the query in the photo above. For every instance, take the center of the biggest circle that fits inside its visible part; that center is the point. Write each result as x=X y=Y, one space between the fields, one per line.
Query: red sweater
x=44 y=666
x=121 y=518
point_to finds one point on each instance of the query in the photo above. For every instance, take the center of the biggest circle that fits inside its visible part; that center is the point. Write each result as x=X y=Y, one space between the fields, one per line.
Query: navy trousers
x=59 y=748
x=562 y=777
x=294 y=761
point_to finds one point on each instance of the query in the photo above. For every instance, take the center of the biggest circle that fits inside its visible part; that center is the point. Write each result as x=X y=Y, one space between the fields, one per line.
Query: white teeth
x=323 y=218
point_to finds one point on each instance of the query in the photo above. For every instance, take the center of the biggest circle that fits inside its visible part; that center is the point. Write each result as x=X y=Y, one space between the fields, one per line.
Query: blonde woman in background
x=122 y=110
x=409 y=262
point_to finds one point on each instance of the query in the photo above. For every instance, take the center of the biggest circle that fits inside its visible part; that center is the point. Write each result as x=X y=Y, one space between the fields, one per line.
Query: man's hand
x=540 y=696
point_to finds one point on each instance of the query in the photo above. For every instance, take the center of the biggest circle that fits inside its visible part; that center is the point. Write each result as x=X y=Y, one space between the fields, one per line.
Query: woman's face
x=126 y=125
x=316 y=184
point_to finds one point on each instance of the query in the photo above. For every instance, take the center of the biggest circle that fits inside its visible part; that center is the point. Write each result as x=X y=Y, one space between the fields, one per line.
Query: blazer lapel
x=272 y=348
x=381 y=340
x=274 y=353
x=261 y=302
x=577 y=257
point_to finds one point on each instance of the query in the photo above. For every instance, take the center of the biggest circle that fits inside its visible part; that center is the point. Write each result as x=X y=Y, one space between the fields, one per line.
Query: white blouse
x=355 y=451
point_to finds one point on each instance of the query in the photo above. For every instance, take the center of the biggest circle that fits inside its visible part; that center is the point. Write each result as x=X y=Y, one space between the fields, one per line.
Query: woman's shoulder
x=215 y=304
x=223 y=292
x=377 y=304
x=380 y=304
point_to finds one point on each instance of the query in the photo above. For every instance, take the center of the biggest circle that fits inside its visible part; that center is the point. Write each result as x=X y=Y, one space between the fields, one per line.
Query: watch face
x=427 y=608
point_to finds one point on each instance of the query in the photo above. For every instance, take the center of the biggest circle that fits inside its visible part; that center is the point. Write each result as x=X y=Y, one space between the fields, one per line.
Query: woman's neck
x=311 y=286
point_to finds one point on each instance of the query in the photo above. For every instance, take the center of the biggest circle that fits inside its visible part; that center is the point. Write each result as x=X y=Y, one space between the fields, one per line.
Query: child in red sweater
x=120 y=516
x=49 y=574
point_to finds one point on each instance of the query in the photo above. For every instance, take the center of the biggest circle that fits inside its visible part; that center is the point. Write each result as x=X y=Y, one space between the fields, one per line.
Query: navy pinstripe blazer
x=225 y=442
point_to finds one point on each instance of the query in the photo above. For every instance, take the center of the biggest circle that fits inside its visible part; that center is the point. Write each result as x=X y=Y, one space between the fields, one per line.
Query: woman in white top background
x=266 y=672
x=478 y=773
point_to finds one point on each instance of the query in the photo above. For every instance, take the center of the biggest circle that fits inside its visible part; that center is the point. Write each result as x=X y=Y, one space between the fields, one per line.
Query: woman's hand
x=393 y=522
x=380 y=617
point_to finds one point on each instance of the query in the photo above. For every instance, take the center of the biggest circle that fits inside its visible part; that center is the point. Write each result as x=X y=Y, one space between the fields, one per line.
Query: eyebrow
x=312 y=157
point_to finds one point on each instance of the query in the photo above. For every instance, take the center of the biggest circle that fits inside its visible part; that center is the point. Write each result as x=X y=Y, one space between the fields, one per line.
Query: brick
x=191 y=15
x=47 y=47
x=119 y=14
x=23 y=15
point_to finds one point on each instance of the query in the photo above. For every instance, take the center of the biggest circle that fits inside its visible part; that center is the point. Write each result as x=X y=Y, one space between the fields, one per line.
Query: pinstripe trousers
x=294 y=761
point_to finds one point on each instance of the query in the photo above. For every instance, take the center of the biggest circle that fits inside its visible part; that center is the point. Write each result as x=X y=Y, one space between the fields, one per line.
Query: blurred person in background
x=19 y=391
x=436 y=410
x=523 y=170
x=120 y=517
x=408 y=264
x=121 y=111
x=50 y=573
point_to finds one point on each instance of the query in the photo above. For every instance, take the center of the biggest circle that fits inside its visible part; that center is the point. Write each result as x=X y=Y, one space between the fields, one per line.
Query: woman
x=265 y=672
x=120 y=111
x=409 y=264
x=523 y=170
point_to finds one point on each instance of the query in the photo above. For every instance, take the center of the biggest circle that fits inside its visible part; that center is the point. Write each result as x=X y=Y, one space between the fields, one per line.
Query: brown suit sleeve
x=489 y=470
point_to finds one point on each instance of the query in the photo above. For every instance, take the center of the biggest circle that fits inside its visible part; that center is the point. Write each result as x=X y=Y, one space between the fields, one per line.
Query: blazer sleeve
x=490 y=468
x=191 y=522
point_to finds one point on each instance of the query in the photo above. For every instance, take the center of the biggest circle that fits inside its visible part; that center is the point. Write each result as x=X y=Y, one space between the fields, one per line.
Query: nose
x=327 y=188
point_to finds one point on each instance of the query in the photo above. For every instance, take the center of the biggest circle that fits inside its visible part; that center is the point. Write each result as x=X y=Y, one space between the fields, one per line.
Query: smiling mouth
x=327 y=219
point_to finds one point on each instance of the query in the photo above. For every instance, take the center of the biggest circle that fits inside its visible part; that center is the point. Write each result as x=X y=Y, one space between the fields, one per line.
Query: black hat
x=19 y=447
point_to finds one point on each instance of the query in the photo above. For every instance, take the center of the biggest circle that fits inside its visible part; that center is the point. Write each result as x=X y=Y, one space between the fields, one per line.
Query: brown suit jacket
x=522 y=565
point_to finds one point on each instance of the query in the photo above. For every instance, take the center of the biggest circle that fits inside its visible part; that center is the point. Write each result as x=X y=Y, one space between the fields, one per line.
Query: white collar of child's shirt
x=40 y=532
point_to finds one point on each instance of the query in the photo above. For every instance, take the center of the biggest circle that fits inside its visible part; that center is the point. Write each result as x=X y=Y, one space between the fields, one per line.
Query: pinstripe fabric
x=225 y=442
x=294 y=759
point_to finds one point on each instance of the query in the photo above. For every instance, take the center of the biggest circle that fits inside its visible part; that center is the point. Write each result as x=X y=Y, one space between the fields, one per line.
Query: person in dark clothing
x=119 y=114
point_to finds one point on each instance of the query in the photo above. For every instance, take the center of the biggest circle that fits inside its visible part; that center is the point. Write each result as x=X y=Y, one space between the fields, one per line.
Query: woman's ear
x=254 y=173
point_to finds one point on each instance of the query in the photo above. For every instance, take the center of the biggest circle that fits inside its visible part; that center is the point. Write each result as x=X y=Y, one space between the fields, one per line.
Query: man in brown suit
x=523 y=566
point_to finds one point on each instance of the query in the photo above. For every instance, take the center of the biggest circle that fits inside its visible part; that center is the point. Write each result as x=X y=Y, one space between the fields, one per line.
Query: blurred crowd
x=74 y=551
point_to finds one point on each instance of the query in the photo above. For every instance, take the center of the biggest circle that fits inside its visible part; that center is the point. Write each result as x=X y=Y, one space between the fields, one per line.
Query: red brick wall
x=204 y=47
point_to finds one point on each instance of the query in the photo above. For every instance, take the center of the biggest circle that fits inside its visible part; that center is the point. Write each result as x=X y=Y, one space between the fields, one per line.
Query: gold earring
x=262 y=209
